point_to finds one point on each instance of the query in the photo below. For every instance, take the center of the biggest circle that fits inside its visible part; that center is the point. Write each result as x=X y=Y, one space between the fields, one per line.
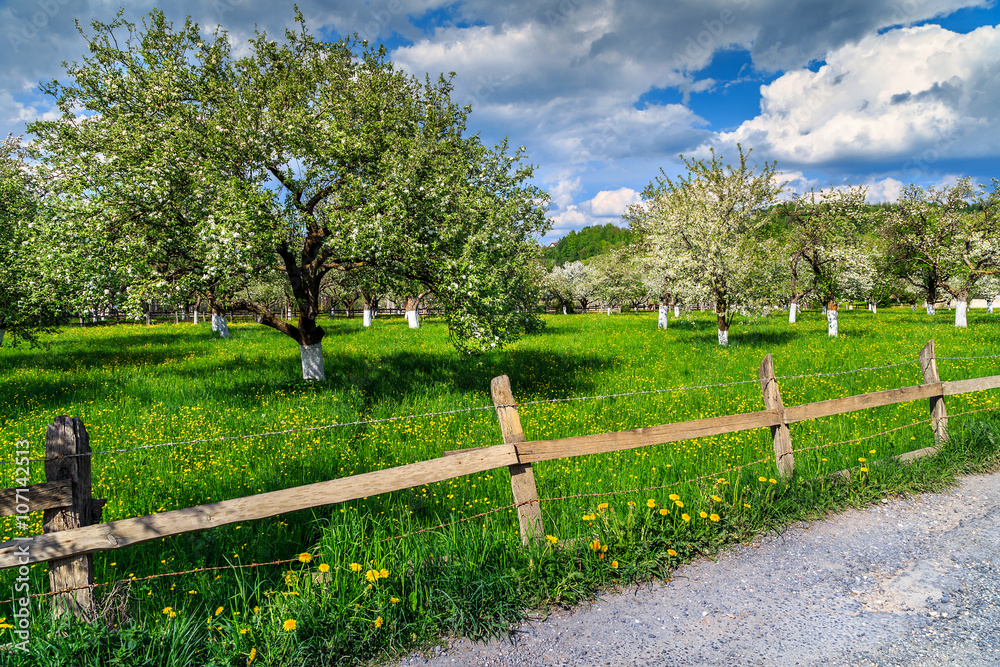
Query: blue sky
x=605 y=93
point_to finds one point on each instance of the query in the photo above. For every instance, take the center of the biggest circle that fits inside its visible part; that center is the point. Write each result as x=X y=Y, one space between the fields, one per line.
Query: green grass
x=135 y=385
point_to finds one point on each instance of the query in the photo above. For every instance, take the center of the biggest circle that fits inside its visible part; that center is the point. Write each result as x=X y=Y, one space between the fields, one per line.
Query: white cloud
x=888 y=97
x=612 y=203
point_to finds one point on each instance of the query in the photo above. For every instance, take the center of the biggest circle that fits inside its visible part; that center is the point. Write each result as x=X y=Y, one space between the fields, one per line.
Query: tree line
x=729 y=235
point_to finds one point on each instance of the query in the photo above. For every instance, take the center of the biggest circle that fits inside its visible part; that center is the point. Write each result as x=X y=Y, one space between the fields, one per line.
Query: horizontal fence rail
x=517 y=454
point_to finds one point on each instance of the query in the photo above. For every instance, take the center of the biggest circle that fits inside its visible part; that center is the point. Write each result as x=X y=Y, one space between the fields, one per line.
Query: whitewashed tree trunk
x=825 y=310
x=961 y=314
x=661 y=322
x=791 y=313
x=609 y=311
x=723 y=337
x=312 y=361
x=930 y=308
x=413 y=318
x=989 y=306
x=367 y=317
x=219 y=324
x=913 y=308
x=831 y=322
x=875 y=308
x=677 y=311
x=564 y=310
x=196 y=316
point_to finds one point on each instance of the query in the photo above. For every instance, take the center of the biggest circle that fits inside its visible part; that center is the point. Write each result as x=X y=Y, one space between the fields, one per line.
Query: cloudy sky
x=605 y=93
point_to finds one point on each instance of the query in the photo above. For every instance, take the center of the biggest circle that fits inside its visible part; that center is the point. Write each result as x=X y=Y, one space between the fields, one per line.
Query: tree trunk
x=677 y=312
x=2 y=332
x=564 y=310
x=366 y=317
x=720 y=314
x=661 y=323
x=792 y=311
x=989 y=306
x=961 y=312
x=930 y=308
x=875 y=308
x=831 y=319
x=312 y=361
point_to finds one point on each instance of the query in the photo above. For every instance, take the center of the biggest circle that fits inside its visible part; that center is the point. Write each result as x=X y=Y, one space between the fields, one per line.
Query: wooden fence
x=72 y=530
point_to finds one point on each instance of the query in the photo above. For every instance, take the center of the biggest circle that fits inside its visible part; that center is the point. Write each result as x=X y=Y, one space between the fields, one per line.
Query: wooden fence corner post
x=67 y=457
x=780 y=433
x=522 y=478
x=939 y=415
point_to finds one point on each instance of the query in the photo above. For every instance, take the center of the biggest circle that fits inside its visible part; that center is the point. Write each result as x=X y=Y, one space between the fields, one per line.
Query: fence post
x=522 y=478
x=65 y=439
x=939 y=416
x=781 y=435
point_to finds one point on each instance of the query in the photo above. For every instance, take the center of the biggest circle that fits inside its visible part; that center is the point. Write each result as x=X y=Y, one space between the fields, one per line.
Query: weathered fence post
x=781 y=435
x=522 y=478
x=939 y=416
x=67 y=457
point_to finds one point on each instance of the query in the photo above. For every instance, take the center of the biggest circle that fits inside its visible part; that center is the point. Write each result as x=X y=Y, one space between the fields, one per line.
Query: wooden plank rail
x=128 y=532
x=546 y=450
x=45 y=496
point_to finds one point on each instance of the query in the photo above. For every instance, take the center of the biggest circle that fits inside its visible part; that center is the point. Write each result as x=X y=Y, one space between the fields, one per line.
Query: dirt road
x=907 y=582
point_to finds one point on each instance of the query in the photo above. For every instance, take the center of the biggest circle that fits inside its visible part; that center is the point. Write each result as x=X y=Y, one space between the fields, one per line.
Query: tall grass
x=135 y=385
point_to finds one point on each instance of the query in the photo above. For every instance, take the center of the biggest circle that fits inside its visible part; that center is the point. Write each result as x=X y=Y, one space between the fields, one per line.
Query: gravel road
x=906 y=582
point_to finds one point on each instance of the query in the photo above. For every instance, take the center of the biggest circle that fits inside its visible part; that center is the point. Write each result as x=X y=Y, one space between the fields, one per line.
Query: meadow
x=379 y=576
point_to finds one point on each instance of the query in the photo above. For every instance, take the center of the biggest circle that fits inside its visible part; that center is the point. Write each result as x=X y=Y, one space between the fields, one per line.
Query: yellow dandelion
x=671 y=552
x=394 y=600
x=595 y=545
x=664 y=512
x=383 y=573
x=773 y=481
x=703 y=515
x=371 y=576
x=679 y=503
x=378 y=622
x=614 y=564
x=762 y=479
x=602 y=507
x=356 y=567
x=167 y=610
x=288 y=625
x=252 y=656
x=305 y=557
x=218 y=611
x=323 y=567
x=686 y=517
x=552 y=539
x=714 y=517
x=650 y=503
x=717 y=499
x=674 y=496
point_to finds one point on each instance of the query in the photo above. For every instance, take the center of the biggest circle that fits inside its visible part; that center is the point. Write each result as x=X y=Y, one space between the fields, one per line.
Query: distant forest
x=588 y=242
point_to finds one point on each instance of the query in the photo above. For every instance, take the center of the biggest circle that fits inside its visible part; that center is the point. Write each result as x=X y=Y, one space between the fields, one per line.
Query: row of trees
x=722 y=234
x=179 y=171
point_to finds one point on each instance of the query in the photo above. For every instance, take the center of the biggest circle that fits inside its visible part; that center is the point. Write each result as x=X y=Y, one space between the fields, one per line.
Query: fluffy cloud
x=891 y=96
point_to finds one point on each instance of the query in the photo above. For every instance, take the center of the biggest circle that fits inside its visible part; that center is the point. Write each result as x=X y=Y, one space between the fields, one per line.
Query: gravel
x=905 y=582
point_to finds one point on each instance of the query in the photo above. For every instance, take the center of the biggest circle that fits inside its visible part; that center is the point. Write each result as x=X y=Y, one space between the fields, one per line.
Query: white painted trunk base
x=930 y=309
x=609 y=311
x=875 y=308
x=367 y=317
x=413 y=318
x=831 y=323
x=989 y=306
x=791 y=313
x=661 y=322
x=962 y=314
x=196 y=317
x=564 y=310
x=677 y=311
x=219 y=324
x=312 y=362
x=723 y=337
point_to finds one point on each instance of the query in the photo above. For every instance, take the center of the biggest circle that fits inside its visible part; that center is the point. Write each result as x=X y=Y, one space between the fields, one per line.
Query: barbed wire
x=855 y=370
x=366 y=422
x=994 y=356
x=660 y=488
